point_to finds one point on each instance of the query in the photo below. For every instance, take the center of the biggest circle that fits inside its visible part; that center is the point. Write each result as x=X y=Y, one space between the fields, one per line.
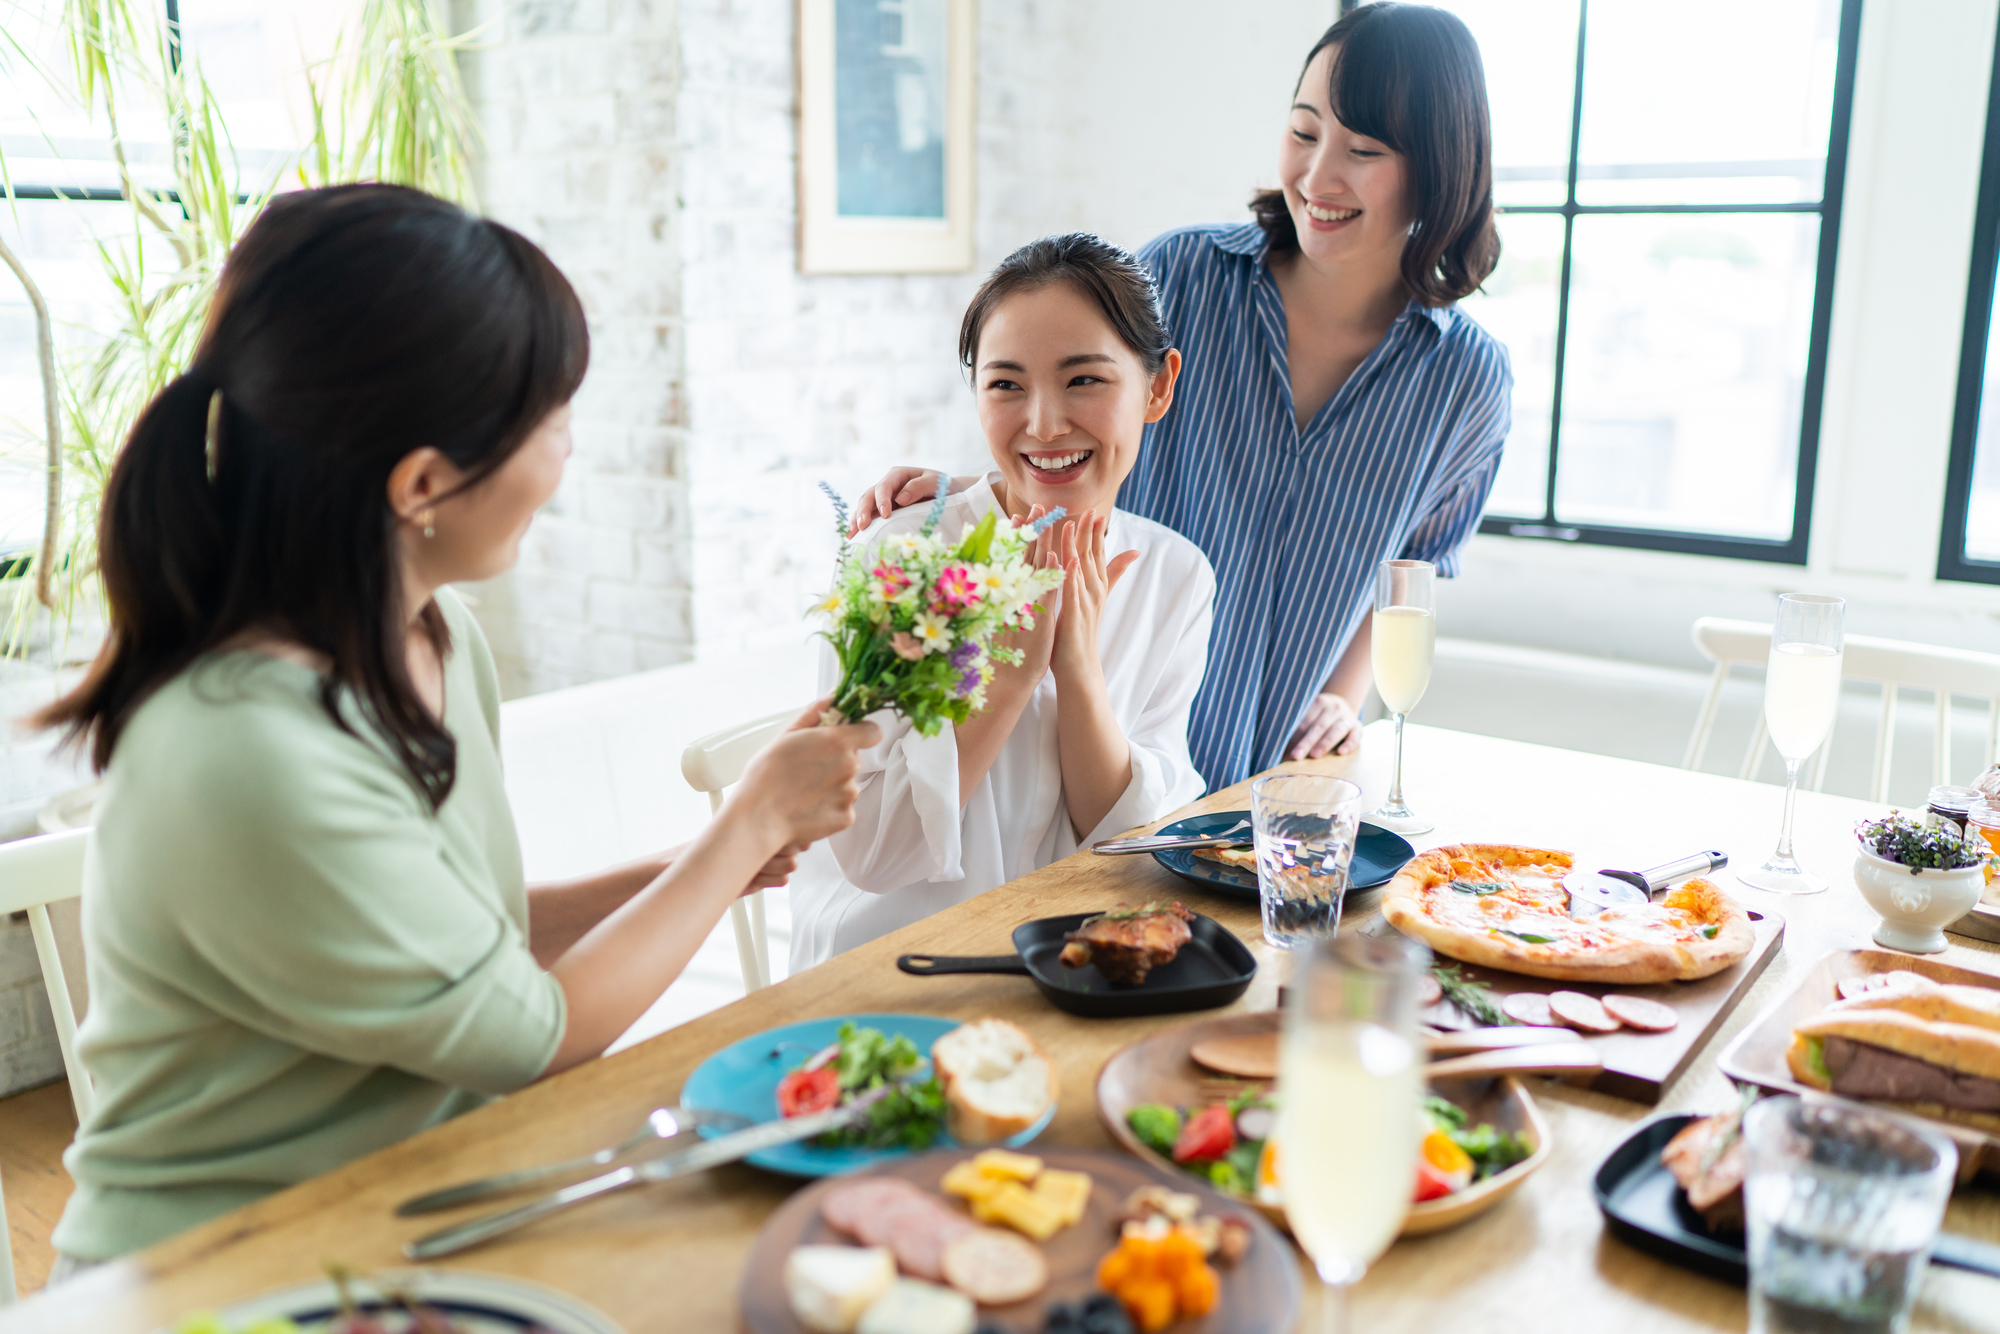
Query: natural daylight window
x=1970 y=543
x=66 y=200
x=1669 y=189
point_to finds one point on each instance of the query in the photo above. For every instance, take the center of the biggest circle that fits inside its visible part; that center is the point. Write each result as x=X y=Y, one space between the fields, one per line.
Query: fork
x=1230 y=837
x=662 y=1123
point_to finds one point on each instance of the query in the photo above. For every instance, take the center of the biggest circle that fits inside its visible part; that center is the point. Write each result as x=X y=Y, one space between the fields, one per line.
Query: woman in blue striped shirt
x=1336 y=408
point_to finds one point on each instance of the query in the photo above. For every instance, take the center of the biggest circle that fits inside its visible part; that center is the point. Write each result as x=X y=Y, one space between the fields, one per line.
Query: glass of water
x=1304 y=826
x=1843 y=1203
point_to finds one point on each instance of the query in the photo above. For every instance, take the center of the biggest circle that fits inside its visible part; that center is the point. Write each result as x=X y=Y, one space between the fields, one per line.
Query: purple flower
x=964 y=654
x=969 y=682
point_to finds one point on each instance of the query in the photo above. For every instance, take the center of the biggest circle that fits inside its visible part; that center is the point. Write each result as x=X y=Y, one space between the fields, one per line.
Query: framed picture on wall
x=885 y=135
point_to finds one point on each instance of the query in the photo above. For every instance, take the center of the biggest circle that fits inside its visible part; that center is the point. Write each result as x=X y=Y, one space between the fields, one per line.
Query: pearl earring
x=430 y=528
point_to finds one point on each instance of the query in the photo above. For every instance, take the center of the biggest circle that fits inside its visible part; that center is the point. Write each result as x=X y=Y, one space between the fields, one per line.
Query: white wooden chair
x=1890 y=663
x=710 y=764
x=35 y=872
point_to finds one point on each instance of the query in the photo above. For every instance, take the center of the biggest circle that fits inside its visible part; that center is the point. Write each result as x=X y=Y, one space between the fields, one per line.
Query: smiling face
x=1062 y=399
x=1347 y=193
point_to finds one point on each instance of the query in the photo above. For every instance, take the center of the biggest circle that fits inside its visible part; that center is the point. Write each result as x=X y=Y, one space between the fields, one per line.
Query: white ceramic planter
x=1915 y=907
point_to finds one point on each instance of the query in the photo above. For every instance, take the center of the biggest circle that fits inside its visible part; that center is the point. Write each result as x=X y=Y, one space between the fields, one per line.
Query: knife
x=1593 y=892
x=1237 y=836
x=710 y=1153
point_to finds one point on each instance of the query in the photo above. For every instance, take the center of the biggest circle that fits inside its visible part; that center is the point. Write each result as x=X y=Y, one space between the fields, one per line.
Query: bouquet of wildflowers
x=913 y=620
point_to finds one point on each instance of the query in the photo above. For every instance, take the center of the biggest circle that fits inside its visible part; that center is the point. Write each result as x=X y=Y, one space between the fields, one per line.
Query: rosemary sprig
x=1469 y=995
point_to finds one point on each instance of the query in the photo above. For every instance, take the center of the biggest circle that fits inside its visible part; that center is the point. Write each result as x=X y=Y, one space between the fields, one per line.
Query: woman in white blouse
x=1088 y=736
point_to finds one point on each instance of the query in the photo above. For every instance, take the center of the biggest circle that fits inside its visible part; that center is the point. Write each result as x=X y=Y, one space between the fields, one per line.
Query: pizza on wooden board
x=1505 y=907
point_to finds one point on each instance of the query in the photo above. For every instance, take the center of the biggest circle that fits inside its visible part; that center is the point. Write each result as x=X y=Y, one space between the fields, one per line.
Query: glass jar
x=1948 y=805
x=1983 y=821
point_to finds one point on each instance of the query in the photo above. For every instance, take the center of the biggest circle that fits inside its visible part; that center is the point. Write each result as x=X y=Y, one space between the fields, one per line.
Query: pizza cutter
x=1593 y=892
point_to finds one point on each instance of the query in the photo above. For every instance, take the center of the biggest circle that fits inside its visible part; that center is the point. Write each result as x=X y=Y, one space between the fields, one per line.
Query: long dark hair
x=1109 y=275
x=1410 y=76
x=351 y=325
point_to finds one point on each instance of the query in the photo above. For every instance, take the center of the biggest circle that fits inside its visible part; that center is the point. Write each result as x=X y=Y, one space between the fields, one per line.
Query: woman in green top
x=304 y=918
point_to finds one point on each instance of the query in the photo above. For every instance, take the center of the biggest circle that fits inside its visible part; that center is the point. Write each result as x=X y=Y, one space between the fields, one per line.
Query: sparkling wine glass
x=1351 y=1075
x=1402 y=641
x=1801 y=692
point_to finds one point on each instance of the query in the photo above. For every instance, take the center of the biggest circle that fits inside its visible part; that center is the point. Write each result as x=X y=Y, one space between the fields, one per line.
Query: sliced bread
x=997 y=1082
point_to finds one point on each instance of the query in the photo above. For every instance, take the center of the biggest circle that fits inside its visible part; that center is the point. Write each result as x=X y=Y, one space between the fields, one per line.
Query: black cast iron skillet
x=1212 y=969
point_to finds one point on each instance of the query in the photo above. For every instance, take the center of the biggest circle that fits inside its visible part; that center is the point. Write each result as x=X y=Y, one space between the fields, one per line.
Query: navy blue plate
x=743 y=1078
x=1378 y=855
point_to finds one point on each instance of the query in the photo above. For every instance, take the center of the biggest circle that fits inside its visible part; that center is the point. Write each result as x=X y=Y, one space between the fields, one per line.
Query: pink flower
x=891 y=578
x=906 y=645
x=956 y=587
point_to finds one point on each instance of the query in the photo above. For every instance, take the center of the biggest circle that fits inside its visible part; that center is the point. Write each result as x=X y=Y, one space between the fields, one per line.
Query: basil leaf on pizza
x=1505 y=907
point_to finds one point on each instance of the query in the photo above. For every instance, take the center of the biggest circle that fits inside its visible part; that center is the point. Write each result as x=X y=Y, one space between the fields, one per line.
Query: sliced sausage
x=1648 y=1016
x=919 y=1240
x=1428 y=991
x=847 y=1205
x=995 y=1268
x=1528 y=1007
x=1584 y=1013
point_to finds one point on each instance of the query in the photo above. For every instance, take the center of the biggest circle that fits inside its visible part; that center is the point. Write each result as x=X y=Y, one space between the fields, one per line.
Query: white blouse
x=912 y=851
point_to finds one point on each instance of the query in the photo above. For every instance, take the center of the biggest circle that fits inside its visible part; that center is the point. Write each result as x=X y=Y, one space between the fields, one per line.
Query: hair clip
x=214 y=423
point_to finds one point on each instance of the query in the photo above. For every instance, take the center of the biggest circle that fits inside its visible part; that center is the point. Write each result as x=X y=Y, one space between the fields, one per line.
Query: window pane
x=1733 y=107
x=1518 y=306
x=1982 y=511
x=1529 y=50
x=1684 y=371
x=57 y=244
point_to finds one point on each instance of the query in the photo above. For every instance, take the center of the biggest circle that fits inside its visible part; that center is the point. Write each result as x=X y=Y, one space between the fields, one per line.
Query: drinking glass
x=1842 y=1205
x=1801 y=692
x=1304 y=827
x=1402 y=641
x=1352 y=1075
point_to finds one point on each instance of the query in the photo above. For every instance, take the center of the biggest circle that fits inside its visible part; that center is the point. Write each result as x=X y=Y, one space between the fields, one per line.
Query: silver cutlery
x=662 y=1123
x=1232 y=837
x=707 y=1154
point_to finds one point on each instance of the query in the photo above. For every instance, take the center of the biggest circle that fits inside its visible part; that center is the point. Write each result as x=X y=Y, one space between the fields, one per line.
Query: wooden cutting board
x=1260 y=1293
x=1983 y=922
x=1637 y=1065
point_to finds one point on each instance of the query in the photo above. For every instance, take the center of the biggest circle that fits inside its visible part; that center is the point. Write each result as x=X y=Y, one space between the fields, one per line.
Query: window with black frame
x=1969 y=546
x=1669 y=189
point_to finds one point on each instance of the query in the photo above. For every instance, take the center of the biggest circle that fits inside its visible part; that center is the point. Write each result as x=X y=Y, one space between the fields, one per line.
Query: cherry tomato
x=1209 y=1133
x=805 y=1091
x=1431 y=1183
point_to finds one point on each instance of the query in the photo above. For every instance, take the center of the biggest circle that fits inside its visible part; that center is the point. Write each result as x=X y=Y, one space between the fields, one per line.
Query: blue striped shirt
x=1397 y=464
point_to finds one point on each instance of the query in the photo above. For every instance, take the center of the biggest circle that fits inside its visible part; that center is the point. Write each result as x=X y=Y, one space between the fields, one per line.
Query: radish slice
x=1648 y=1016
x=1585 y=1013
x=1528 y=1007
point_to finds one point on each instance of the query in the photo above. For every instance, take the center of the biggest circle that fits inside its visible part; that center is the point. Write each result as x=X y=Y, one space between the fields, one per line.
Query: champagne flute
x=1350 y=1093
x=1801 y=692
x=1402 y=640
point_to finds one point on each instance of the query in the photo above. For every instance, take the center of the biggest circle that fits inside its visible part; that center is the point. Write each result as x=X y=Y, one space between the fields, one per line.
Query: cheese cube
x=969 y=1183
x=830 y=1286
x=1011 y=1166
x=1015 y=1206
x=1068 y=1193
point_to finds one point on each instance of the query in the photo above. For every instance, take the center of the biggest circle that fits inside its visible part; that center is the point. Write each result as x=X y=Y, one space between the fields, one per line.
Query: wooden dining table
x=669 y=1257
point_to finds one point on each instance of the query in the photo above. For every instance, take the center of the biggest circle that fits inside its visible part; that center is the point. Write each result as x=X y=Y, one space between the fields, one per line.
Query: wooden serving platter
x=1758 y=1054
x=1160 y=1069
x=1983 y=922
x=1260 y=1292
x=1638 y=1066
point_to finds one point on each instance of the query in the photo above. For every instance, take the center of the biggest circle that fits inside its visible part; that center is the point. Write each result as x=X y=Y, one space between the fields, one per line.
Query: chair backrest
x=711 y=763
x=35 y=872
x=1892 y=664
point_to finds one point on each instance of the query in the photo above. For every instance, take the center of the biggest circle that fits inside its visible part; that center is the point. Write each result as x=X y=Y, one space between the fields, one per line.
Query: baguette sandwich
x=1924 y=1046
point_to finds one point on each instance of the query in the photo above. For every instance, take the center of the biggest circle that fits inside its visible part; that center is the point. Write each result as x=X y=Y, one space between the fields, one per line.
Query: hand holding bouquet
x=913 y=620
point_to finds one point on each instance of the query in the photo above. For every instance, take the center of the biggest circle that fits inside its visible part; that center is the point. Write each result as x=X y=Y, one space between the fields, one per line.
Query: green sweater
x=292 y=963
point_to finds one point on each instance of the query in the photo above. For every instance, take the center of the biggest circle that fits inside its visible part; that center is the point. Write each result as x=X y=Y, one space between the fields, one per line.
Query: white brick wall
x=651 y=147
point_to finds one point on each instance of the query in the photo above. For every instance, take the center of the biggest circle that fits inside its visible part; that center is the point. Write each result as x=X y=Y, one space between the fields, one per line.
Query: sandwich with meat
x=1927 y=1047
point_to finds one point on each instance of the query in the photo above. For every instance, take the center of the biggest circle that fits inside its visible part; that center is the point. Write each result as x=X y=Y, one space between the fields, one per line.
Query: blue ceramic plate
x=1378 y=855
x=743 y=1078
